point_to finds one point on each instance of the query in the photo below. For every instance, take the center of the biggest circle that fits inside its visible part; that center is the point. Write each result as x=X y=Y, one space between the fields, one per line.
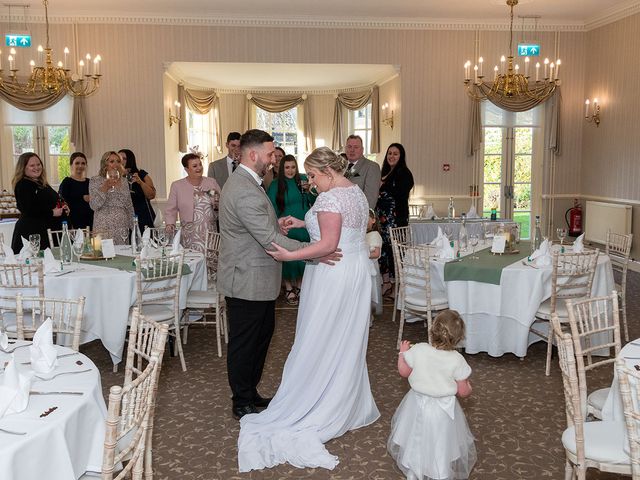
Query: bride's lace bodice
x=349 y=202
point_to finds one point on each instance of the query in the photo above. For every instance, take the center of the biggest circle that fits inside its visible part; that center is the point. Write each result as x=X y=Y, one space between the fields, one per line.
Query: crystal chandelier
x=49 y=79
x=508 y=81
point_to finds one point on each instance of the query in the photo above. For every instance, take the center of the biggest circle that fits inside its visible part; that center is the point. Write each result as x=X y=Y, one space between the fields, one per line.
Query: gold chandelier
x=507 y=80
x=49 y=79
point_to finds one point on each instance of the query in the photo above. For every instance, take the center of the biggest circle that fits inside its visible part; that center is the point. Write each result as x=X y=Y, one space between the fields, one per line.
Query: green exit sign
x=17 y=40
x=528 y=50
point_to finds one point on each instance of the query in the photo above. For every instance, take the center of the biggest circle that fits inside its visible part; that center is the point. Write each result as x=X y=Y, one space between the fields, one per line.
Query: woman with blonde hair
x=36 y=200
x=110 y=200
x=325 y=390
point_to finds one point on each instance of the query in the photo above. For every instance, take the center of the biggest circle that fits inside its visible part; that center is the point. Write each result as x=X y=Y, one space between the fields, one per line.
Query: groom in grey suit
x=362 y=171
x=247 y=276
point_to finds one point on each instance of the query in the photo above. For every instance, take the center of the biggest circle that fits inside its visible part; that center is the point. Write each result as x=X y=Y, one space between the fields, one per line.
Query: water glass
x=34 y=244
x=473 y=240
x=562 y=234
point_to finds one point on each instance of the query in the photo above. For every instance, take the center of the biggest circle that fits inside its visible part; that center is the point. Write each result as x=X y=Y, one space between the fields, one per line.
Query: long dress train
x=325 y=388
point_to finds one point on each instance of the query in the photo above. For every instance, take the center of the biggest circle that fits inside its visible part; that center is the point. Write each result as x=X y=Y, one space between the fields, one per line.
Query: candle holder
x=592 y=111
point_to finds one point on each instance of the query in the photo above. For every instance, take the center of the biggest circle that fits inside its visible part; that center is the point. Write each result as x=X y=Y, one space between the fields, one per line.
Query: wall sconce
x=592 y=111
x=174 y=118
x=386 y=118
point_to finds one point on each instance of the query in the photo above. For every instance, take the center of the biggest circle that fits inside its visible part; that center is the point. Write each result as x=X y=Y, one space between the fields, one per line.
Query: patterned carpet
x=516 y=413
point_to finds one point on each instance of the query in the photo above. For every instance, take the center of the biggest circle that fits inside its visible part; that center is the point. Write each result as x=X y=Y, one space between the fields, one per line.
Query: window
x=360 y=124
x=51 y=143
x=510 y=159
x=201 y=134
x=282 y=126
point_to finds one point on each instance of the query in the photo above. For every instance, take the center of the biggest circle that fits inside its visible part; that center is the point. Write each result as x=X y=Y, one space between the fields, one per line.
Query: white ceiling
x=279 y=76
x=569 y=12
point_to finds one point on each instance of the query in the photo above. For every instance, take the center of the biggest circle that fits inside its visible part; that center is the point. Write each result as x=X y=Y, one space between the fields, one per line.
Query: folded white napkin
x=542 y=256
x=578 y=245
x=25 y=251
x=472 y=212
x=44 y=356
x=79 y=237
x=429 y=213
x=9 y=256
x=146 y=235
x=4 y=341
x=51 y=265
x=14 y=389
x=176 y=247
x=443 y=247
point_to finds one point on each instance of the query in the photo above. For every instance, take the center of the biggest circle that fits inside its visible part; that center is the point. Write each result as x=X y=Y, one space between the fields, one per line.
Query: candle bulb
x=586 y=108
x=537 y=71
x=0 y=59
x=480 y=62
x=33 y=65
x=59 y=64
x=551 y=67
x=98 y=60
x=495 y=73
x=81 y=65
x=558 y=62
x=502 y=60
x=40 y=54
x=595 y=105
x=10 y=58
x=546 y=64
x=66 y=54
x=475 y=73
x=526 y=66
x=517 y=68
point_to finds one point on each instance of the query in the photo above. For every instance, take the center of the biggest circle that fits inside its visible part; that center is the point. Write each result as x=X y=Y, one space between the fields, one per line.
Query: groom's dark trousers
x=251 y=325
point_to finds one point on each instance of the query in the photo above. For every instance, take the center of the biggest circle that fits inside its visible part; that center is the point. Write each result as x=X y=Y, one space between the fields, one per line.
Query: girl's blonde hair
x=103 y=162
x=322 y=158
x=447 y=330
x=21 y=165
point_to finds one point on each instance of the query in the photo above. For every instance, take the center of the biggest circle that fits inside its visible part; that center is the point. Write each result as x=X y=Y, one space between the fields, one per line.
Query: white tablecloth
x=613 y=409
x=498 y=317
x=68 y=441
x=6 y=228
x=110 y=293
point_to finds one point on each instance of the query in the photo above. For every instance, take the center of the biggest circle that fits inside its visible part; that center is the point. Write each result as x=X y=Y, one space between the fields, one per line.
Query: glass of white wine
x=113 y=174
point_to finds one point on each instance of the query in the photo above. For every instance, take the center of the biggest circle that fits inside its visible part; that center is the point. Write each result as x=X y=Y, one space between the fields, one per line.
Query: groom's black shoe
x=261 y=402
x=239 y=412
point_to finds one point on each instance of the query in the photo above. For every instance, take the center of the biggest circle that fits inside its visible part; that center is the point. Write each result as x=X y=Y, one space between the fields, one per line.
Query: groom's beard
x=263 y=169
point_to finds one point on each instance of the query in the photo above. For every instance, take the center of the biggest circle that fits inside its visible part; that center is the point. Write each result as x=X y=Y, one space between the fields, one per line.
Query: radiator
x=600 y=217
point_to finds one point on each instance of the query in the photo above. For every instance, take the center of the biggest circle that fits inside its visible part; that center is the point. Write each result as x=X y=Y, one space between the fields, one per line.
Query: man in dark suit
x=362 y=171
x=222 y=168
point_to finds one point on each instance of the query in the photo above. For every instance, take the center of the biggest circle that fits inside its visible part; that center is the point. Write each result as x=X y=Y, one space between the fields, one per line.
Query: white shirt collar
x=229 y=160
x=255 y=176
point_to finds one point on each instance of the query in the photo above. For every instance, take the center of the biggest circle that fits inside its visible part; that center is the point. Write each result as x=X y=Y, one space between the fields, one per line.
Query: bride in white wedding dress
x=325 y=389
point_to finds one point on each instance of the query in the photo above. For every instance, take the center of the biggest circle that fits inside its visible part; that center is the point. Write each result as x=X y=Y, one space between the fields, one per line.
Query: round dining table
x=60 y=435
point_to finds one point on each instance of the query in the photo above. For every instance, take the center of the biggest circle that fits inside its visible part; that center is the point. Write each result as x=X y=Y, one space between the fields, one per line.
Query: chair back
x=129 y=420
x=158 y=281
x=629 y=382
x=618 y=247
x=574 y=406
x=595 y=325
x=66 y=317
x=146 y=339
x=572 y=276
x=415 y=210
x=56 y=235
x=212 y=251
x=401 y=235
x=14 y=279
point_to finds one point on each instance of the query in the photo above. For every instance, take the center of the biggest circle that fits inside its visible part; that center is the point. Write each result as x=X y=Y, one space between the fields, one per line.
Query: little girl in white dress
x=374 y=242
x=430 y=438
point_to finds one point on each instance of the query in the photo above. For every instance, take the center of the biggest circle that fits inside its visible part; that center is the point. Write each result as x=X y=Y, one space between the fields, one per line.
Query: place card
x=108 y=248
x=499 y=243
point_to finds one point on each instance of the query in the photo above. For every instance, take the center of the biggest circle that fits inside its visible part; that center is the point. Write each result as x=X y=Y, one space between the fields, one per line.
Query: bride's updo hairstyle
x=322 y=158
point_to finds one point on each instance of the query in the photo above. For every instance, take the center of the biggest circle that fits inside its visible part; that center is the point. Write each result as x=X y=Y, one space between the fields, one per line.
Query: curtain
x=553 y=134
x=475 y=128
x=183 y=138
x=30 y=102
x=79 y=134
x=203 y=102
x=356 y=101
x=282 y=103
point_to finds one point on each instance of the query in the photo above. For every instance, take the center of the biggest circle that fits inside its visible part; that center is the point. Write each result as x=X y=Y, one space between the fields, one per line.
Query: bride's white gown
x=325 y=389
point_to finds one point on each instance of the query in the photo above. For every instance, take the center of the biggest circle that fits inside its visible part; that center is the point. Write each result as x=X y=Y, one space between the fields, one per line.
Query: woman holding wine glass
x=142 y=189
x=75 y=190
x=110 y=200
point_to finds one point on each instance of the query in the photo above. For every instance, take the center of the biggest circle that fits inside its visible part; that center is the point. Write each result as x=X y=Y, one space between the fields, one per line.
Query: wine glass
x=448 y=232
x=473 y=240
x=160 y=238
x=34 y=244
x=113 y=174
x=562 y=234
x=78 y=250
x=129 y=177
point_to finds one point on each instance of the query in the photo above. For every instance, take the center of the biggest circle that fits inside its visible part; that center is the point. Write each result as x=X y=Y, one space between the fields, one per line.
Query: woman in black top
x=74 y=189
x=142 y=189
x=36 y=200
x=392 y=207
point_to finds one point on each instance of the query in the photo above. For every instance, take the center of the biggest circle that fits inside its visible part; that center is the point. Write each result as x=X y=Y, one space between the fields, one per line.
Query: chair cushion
x=603 y=442
x=157 y=313
x=596 y=399
x=438 y=301
x=206 y=299
x=544 y=310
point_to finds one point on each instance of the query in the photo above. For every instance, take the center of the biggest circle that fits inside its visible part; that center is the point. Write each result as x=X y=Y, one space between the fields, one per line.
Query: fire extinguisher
x=573 y=217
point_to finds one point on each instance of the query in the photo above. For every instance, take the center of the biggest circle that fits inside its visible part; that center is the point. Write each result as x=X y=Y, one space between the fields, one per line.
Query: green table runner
x=486 y=269
x=121 y=262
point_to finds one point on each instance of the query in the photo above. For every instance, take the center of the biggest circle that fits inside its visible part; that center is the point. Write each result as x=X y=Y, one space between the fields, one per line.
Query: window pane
x=493 y=140
x=491 y=196
x=22 y=140
x=522 y=196
x=524 y=140
x=492 y=168
x=522 y=171
x=59 y=150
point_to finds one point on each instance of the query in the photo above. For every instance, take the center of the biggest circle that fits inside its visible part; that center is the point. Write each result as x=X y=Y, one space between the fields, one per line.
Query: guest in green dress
x=289 y=193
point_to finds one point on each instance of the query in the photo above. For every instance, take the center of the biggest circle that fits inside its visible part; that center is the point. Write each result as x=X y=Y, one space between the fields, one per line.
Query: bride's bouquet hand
x=280 y=254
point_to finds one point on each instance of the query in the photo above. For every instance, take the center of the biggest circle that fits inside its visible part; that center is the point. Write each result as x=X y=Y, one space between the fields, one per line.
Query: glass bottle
x=452 y=209
x=463 y=237
x=66 y=249
x=136 y=236
x=537 y=235
x=494 y=214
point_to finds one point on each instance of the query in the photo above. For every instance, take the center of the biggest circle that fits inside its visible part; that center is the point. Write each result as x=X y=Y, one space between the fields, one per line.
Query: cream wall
x=131 y=107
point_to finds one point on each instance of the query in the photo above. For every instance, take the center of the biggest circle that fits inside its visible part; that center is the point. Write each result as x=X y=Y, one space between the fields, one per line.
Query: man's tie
x=350 y=166
x=234 y=165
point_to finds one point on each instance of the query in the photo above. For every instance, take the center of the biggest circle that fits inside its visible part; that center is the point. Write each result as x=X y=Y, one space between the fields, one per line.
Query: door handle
x=508 y=191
